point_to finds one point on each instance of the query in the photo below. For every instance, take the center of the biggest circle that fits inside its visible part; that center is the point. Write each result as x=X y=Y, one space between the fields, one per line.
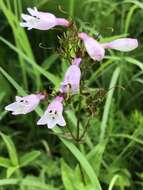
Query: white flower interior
x=52 y=117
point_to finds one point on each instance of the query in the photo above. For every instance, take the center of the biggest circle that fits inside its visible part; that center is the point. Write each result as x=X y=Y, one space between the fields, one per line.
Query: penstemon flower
x=123 y=44
x=72 y=76
x=71 y=83
x=96 y=50
x=26 y=104
x=41 y=20
x=93 y=48
x=54 y=114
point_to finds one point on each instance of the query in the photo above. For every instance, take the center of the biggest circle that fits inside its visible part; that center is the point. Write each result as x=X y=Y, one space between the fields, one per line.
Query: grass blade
x=108 y=103
x=11 y=149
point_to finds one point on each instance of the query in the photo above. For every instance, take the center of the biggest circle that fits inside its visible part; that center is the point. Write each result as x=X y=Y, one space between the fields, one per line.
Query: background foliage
x=35 y=158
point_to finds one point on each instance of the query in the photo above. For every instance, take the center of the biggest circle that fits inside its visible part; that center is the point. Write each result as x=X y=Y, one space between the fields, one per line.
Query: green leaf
x=29 y=157
x=4 y=162
x=95 y=156
x=139 y=4
x=112 y=183
x=79 y=183
x=35 y=182
x=108 y=103
x=49 y=61
x=11 y=181
x=135 y=62
x=10 y=171
x=72 y=179
x=129 y=17
x=10 y=79
x=11 y=149
x=84 y=163
x=67 y=176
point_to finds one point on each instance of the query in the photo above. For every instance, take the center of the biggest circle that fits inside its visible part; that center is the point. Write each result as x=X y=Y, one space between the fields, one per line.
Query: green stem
x=85 y=130
x=71 y=8
x=78 y=118
x=82 y=174
x=78 y=134
x=69 y=129
x=80 y=167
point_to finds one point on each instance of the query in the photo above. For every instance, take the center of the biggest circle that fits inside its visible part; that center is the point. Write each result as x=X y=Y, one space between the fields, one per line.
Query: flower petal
x=123 y=44
x=30 y=28
x=51 y=123
x=94 y=49
x=26 y=17
x=18 y=98
x=61 y=121
x=11 y=107
x=77 y=61
x=43 y=120
x=16 y=108
x=24 y=24
x=33 y=12
x=71 y=81
x=46 y=16
x=17 y=113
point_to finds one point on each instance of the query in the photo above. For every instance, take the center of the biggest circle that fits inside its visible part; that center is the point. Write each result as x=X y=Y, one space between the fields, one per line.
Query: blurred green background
x=35 y=158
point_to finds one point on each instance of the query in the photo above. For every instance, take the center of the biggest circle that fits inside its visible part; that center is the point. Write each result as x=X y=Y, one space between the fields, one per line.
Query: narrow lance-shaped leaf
x=28 y=158
x=11 y=148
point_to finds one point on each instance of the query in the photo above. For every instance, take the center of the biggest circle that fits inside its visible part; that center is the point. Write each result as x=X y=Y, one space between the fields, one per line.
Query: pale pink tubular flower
x=93 y=48
x=72 y=77
x=123 y=44
x=96 y=50
x=54 y=114
x=41 y=20
x=25 y=104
